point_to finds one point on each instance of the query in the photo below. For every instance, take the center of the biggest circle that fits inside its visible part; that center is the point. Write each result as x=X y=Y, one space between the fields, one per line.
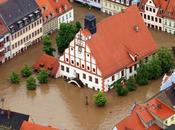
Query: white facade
x=150 y=15
x=66 y=17
x=169 y=25
x=93 y=3
x=78 y=62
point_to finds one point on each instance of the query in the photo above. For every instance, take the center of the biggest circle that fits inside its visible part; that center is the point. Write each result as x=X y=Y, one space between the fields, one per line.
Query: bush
x=121 y=91
x=26 y=71
x=43 y=76
x=142 y=77
x=31 y=83
x=14 y=78
x=131 y=84
x=100 y=99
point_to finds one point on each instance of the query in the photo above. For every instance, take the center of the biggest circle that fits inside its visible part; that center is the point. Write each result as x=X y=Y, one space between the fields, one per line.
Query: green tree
x=165 y=57
x=121 y=90
x=131 y=84
x=31 y=83
x=78 y=26
x=47 y=45
x=65 y=35
x=142 y=77
x=43 y=76
x=100 y=99
x=154 y=68
x=26 y=71
x=14 y=78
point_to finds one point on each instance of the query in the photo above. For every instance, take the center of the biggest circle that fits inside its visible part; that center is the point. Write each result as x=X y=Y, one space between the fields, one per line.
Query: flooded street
x=62 y=105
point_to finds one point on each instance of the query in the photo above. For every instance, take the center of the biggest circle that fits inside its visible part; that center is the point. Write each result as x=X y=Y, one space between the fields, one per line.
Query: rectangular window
x=90 y=78
x=130 y=69
x=62 y=67
x=113 y=78
x=135 y=67
x=84 y=76
x=67 y=69
x=122 y=72
x=96 y=80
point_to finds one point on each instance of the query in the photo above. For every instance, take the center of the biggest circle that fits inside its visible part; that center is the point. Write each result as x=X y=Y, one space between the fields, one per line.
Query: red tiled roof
x=3 y=27
x=85 y=32
x=159 y=109
x=48 y=62
x=143 y=113
x=31 y=126
x=170 y=10
x=146 y=113
x=133 y=122
x=168 y=7
x=116 y=36
x=52 y=7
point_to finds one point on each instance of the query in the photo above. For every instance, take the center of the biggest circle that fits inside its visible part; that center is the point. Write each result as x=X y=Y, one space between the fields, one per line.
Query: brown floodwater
x=62 y=105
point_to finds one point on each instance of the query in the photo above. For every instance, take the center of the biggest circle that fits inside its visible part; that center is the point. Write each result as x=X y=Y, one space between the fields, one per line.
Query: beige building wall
x=50 y=26
x=26 y=36
x=110 y=7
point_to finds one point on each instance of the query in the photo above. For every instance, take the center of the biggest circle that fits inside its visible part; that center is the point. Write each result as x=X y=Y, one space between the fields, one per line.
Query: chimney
x=90 y=23
x=56 y=1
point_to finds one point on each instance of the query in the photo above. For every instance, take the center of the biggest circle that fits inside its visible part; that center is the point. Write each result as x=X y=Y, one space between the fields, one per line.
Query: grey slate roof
x=14 y=10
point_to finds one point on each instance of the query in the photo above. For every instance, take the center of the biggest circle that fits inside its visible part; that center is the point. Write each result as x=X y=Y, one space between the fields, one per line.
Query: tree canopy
x=66 y=34
x=47 y=45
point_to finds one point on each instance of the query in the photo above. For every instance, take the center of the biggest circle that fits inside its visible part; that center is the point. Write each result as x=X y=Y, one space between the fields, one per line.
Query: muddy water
x=63 y=105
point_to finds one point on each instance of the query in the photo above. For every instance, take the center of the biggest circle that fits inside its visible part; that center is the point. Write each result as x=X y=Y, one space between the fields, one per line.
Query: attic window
x=50 y=68
x=20 y=24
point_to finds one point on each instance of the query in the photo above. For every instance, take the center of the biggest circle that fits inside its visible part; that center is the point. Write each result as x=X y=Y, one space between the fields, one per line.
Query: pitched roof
x=159 y=109
x=14 y=10
x=31 y=126
x=145 y=113
x=3 y=27
x=116 y=36
x=48 y=63
x=53 y=7
x=168 y=7
x=12 y=119
x=133 y=122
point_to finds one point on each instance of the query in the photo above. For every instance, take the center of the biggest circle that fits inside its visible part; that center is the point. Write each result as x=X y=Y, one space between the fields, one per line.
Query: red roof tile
x=146 y=113
x=116 y=37
x=3 y=27
x=159 y=109
x=143 y=113
x=31 y=126
x=53 y=7
x=48 y=62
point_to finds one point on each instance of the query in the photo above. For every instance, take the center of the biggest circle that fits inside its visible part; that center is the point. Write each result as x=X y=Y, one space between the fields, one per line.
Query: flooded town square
x=62 y=105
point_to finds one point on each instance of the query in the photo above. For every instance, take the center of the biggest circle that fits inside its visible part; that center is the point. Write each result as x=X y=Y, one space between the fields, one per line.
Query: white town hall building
x=102 y=53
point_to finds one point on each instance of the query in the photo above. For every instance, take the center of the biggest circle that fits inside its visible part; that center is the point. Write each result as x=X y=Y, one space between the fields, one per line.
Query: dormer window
x=25 y=21
x=37 y=12
x=31 y=16
x=20 y=24
x=65 y=7
x=12 y=29
x=60 y=10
